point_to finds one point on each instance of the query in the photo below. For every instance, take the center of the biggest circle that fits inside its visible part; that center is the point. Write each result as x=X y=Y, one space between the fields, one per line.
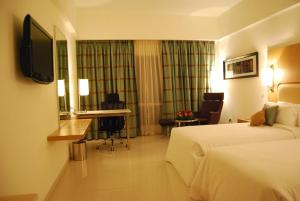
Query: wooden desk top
x=102 y=113
x=74 y=129
x=27 y=197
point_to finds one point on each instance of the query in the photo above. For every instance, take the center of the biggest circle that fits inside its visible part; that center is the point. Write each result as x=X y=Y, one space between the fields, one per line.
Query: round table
x=184 y=122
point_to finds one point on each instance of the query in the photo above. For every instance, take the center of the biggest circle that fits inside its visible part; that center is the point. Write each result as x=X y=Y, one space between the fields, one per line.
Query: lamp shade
x=83 y=87
x=61 y=88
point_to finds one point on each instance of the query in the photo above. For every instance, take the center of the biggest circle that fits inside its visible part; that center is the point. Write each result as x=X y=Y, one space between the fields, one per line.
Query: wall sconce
x=268 y=78
x=83 y=89
x=61 y=91
x=272 y=76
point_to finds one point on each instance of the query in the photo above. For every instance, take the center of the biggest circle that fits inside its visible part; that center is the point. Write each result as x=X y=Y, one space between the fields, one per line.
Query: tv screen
x=36 y=52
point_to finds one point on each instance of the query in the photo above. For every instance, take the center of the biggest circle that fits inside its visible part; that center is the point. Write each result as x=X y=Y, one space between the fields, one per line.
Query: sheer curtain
x=149 y=85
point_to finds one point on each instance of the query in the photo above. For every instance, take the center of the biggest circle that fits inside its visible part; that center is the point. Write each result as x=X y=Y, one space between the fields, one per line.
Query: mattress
x=267 y=171
x=188 y=145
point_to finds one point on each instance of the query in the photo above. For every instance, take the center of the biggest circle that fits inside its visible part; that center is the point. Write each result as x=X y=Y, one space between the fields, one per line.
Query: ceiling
x=208 y=8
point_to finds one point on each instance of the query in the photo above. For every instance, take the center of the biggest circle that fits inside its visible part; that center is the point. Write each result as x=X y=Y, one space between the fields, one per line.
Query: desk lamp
x=61 y=91
x=83 y=89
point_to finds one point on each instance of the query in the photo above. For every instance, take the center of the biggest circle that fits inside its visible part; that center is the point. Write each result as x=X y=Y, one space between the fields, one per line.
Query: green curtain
x=186 y=72
x=109 y=67
x=63 y=72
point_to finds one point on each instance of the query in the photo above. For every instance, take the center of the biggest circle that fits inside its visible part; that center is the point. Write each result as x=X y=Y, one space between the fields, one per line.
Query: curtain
x=109 y=67
x=186 y=73
x=149 y=84
x=63 y=72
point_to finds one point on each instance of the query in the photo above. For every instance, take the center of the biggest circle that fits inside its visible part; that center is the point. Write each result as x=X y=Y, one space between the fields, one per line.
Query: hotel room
x=160 y=58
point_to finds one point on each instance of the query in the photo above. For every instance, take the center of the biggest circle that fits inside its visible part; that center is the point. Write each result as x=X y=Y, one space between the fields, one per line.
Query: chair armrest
x=214 y=117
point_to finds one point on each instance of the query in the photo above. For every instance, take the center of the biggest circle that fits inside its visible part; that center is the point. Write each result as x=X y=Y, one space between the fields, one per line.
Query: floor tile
x=138 y=174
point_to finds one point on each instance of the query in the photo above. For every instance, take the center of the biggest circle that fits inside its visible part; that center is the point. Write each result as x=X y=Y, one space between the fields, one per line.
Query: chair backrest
x=112 y=123
x=112 y=98
x=213 y=102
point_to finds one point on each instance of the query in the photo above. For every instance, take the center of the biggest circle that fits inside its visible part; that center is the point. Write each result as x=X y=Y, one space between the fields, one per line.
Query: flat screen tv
x=36 y=52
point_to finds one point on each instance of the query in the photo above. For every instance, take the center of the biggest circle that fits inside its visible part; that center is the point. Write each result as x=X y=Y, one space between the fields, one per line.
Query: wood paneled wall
x=287 y=60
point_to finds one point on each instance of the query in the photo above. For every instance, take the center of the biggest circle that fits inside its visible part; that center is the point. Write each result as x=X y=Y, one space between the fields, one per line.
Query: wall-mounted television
x=36 y=52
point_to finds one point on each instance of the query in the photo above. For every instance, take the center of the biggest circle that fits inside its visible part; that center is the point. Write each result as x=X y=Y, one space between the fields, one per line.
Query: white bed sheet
x=189 y=144
x=267 y=171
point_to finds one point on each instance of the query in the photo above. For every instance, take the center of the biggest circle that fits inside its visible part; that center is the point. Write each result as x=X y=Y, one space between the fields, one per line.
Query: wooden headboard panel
x=287 y=59
x=289 y=92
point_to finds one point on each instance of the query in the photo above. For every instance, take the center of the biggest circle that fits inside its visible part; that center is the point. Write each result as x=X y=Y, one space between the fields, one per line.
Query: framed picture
x=239 y=67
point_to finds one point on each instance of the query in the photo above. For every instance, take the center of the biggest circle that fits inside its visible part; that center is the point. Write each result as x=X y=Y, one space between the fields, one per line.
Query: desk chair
x=112 y=124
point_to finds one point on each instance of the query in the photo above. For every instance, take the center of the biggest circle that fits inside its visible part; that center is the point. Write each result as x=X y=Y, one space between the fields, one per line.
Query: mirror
x=61 y=52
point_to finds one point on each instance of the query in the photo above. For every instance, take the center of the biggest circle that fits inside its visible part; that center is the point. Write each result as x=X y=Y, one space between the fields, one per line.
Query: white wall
x=29 y=112
x=246 y=96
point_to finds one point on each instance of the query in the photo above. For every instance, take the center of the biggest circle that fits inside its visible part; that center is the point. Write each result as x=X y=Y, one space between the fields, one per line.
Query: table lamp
x=83 y=89
x=61 y=91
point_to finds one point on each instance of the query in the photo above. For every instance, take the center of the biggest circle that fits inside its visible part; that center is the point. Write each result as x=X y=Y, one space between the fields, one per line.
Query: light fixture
x=83 y=89
x=271 y=75
x=61 y=88
x=62 y=92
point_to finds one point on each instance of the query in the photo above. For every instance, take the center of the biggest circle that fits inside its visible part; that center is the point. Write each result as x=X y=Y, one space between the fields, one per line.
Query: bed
x=255 y=172
x=188 y=145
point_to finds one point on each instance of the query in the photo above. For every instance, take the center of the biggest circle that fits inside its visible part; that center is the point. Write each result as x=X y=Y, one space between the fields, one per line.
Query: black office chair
x=112 y=124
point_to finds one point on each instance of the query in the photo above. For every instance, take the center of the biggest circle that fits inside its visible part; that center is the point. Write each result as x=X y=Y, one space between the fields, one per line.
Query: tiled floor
x=140 y=174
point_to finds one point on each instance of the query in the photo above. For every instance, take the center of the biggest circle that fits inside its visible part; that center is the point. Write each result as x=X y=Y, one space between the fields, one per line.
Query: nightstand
x=242 y=120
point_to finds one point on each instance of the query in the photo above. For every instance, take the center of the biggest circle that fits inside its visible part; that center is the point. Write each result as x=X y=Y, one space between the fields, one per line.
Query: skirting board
x=59 y=176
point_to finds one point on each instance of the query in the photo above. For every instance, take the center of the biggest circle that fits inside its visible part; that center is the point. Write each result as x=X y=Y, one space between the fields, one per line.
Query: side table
x=241 y=120
x=185 y=122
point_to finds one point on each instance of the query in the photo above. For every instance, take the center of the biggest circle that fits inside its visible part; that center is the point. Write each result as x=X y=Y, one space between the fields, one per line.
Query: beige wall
x=28 y=163
x=247 y=95
x=248 y=12
x=128 y=26
x=97 y=23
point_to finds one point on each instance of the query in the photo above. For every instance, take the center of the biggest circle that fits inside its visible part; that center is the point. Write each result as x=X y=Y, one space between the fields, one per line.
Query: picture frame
x=241 y=67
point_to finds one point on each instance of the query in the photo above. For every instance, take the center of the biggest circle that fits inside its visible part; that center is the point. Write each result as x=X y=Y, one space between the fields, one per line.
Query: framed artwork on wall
x=241 y=67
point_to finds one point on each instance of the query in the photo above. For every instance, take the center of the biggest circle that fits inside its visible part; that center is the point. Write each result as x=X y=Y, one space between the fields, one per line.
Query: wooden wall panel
x=287 y=59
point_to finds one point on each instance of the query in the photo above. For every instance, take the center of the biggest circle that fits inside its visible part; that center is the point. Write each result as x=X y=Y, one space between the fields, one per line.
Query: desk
x=106 y=113
x=64 y=115
x=74 y=129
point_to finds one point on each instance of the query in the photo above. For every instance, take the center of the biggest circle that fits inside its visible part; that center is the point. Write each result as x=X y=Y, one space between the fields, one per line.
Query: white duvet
x=267 y=171
x=189 y=144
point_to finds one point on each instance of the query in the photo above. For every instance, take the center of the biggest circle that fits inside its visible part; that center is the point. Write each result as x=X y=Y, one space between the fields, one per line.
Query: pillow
x=258 y=118
x=287 y=114
x=270 y=114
